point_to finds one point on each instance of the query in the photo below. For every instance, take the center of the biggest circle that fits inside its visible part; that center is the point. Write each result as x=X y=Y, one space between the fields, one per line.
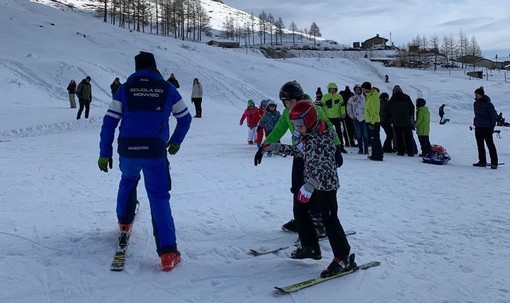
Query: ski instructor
x=144 y=104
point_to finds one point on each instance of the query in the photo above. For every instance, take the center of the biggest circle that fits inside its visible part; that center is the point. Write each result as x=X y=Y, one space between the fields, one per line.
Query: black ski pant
x=349 y=132
x=388 y=142
x=404 y=136
x=484 y=136
x=375 y=139
x=198 y=106
x=298 y=179
x=338 y=127
x=425 y=145
x=326 y=201
x=83 y=104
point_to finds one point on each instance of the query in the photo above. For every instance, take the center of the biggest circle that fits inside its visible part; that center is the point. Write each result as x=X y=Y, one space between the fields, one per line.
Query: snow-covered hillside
x=441 y=233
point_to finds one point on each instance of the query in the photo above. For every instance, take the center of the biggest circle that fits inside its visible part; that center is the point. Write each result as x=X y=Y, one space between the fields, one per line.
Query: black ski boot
x=338 y=266
x=306 y=252
x=290 y=226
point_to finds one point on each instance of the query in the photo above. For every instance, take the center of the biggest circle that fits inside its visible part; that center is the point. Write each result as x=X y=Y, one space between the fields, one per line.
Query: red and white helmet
x=303 y=113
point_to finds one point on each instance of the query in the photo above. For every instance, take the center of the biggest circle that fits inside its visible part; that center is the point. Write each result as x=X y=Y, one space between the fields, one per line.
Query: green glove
x=173 y=148
x=103 y=164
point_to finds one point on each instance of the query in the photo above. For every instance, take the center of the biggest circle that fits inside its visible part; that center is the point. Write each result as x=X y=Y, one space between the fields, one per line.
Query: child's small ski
x=315 y=281
x=262 y=251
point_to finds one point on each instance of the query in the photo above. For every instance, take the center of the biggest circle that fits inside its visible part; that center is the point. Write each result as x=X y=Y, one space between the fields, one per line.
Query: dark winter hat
x=397 y=89
x=384 y=96
x=145 y=60
x=87 y=78
x=366 y=85
x=420 y=102
x=480 y=91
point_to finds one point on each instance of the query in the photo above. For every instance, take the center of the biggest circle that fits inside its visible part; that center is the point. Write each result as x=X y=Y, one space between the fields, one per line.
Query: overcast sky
x=348 y=21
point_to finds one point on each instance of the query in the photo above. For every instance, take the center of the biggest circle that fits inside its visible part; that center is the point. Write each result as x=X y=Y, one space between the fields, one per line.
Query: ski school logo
x=146 y=92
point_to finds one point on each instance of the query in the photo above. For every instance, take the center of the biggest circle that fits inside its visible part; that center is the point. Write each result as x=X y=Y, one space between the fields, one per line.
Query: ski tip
x=369 y=264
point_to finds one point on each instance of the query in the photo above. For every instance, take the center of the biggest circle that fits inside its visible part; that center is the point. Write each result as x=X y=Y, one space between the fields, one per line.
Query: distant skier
x=84 y=94
x=386 y=79
x=441 y=115
x=71 y=91
x=252 y=116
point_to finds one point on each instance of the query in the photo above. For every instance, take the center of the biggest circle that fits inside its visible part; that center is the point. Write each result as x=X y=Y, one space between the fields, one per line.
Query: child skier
x=261 y=130
x=422 y=126
x=252 y=116
x=269 y=119
x=316 y=146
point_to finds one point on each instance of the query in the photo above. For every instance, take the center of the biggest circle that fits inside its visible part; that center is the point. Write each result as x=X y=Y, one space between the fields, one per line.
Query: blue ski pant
x=156 y=172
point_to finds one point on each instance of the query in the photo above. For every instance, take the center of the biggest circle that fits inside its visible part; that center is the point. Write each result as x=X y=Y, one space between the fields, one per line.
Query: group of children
x=260 y=120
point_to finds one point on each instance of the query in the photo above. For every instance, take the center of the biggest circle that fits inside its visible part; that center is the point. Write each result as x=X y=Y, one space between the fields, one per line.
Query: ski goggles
x=298 y=122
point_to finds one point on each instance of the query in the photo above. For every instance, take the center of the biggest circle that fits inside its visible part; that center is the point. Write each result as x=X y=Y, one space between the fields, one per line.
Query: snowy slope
x=441 y=232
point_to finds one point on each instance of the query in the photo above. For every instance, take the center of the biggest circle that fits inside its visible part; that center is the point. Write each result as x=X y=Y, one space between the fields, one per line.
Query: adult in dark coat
x=173 y=80
x=401 y=112
x=484 y=122
x=84 y=94
x=348 y=122
x=386 y=124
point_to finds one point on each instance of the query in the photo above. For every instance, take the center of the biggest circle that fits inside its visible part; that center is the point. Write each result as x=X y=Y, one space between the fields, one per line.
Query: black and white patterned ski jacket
x=318 y=151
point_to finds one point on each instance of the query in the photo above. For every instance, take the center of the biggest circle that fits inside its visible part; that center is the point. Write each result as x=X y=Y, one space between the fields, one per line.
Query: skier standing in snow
x=290 y=93
x=316 y=146
x=252 y=116
x=143 y=106
x=269 y=119
x=84 y=94
x=484 y=122
x=261 y=131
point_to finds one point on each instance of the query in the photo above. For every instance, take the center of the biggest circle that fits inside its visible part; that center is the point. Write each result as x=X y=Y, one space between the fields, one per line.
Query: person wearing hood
x=334 y=108
x=484 y=122
x=143 y=106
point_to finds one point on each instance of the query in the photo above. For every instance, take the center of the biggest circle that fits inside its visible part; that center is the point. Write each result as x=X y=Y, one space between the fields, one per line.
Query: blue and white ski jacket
x=144 y=104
